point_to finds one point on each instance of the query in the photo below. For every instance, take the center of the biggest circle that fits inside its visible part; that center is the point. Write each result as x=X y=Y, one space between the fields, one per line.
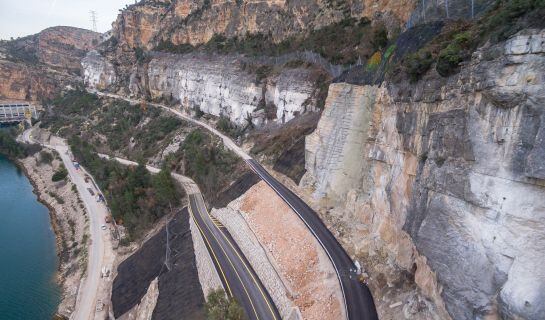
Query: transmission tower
x=94 y=19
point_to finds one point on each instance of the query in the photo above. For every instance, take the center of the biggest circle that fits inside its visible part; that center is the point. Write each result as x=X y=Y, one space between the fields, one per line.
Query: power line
x=94 y=19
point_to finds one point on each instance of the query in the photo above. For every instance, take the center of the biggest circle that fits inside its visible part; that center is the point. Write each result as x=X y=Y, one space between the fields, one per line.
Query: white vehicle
x=105 y=272
x=103 y=227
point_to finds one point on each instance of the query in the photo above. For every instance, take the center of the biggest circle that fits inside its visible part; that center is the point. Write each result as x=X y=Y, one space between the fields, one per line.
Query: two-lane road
x=358 y=299
x=238 y=277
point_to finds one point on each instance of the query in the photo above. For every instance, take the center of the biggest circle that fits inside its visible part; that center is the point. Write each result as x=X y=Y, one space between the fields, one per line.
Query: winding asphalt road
x=236 y=274
x=358 y=301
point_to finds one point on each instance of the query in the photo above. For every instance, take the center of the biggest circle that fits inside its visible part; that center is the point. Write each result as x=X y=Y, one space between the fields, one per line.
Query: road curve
x=358 y=300
x=236 y=274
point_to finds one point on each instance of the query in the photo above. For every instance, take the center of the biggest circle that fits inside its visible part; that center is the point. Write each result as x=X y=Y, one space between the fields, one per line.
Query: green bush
x=417 y=64
x=229 y=128
x=506 y=20
x=204 y=158
x=457 y=51
x=12 y=149
x=60 y=174
x=168 y=46
x=46 y=157
x=220 y=307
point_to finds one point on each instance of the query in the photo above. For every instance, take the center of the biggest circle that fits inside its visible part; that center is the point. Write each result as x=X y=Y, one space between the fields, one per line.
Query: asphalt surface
x=358 y=298
x=236 y=273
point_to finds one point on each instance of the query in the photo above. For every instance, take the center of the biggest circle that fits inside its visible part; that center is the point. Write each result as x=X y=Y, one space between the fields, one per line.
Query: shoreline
x=68 y=221
x=60 y=248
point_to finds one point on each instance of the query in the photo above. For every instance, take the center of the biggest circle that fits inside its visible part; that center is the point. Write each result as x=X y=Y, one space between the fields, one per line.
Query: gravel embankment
x=257 y=256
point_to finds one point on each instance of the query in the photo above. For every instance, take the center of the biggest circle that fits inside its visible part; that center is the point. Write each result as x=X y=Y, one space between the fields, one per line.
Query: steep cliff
x=37 y=66
x=218 y=85
x=446 y=177
x=194 y=22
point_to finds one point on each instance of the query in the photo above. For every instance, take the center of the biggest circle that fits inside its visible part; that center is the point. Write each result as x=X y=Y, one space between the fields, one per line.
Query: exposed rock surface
x=37 y=66
x=183 y=21
x=449 y=166
x=334 y=150
x=214 y=84
x=217 y=87
x=98 y=73
x=292 y=92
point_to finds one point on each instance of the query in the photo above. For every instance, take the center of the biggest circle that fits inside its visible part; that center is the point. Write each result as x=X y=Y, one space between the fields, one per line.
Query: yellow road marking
x=231 y=263
x=251 y=274
x=211 y=249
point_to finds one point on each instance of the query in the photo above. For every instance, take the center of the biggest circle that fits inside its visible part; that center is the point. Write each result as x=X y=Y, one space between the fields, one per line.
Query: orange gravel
x=301 y=261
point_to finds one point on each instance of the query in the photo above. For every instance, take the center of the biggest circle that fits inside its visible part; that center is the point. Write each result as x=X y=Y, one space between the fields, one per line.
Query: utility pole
x=94 y=19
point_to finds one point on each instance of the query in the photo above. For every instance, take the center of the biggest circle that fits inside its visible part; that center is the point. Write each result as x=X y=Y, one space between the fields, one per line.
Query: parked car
x=103 y=227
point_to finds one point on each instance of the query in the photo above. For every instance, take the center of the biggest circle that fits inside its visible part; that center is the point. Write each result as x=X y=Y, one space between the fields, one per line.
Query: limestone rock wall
x=292 y=92
x=335 y=149
x=98 y=73
x=182 y=21
x=449 y=182
x=216 y=85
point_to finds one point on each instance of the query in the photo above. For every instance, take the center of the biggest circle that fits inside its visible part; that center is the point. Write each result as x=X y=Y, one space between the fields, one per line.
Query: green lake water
x=28 y=261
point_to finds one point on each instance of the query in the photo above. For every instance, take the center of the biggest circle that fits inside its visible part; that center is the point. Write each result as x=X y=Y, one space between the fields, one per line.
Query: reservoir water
x=28 y=261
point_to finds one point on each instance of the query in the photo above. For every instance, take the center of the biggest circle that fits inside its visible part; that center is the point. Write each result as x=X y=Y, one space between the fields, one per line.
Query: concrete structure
x=16 y=112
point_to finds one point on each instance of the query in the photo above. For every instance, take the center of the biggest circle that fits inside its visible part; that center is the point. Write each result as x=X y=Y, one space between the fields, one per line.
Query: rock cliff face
x=98 y=73
x=195 y=22
x=37 y=66
x=446 y=177
x=214 y=84
x=217 y=87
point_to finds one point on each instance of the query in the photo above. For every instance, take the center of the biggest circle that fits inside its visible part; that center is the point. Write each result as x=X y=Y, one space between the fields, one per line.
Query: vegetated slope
x=135 y=198
x=37 y=67
x=149 y=135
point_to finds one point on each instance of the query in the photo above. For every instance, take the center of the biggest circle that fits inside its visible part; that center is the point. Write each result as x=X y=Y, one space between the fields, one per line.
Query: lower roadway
x=236 y=274
x=358 y=298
